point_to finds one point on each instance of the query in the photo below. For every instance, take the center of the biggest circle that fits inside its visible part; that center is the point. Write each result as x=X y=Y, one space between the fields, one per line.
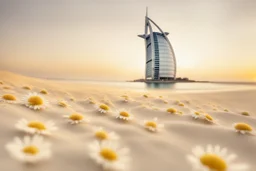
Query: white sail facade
x=160 y=57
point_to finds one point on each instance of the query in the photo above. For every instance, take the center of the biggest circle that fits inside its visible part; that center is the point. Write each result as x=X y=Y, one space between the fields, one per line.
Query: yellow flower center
x=181 y=104
x=76 y=117
x=9 y=97
x=32 y=150
x=124 y=114
x=208 y=117
x=62 y=104
x=37 y=125
x=243 y=127
x=102 y=135
x=27 y=87
x=104 y=107
x=245 y=113
x=43 y=92
x=171 y=110
x=151 y=124
x=92 y=102
x=197 y=113
x=108 y=154
x=214 y=162
x=35 y=100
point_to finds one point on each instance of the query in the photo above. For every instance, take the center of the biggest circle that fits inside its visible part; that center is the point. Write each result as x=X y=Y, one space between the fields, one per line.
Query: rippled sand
x=164 y=151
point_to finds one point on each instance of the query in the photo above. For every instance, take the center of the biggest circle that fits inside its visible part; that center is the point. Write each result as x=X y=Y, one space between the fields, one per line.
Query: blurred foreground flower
x=109 y=155
x=30 y=149
x=214 y=158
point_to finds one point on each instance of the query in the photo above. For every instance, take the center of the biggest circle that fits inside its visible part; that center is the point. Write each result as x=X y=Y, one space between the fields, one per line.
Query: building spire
x=146 y=11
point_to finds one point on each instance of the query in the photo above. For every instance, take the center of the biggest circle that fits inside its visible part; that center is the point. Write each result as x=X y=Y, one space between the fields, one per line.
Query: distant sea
x=194 y=86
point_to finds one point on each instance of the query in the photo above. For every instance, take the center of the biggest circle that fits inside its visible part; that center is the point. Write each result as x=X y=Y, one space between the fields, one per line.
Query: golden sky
x=97 y=39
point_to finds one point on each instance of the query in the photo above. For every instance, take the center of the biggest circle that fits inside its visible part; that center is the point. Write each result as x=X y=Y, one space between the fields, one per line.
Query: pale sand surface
x=163 y=151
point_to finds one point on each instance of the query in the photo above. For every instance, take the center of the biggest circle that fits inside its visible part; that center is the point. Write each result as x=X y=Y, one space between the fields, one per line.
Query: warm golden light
x=61 y=45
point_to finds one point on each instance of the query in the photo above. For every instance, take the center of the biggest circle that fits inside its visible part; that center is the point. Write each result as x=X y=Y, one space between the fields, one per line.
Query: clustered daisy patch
x=203 y=116
x=106 y=150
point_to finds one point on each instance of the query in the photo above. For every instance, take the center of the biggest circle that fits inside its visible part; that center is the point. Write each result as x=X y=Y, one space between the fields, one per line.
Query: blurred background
x=97 y=39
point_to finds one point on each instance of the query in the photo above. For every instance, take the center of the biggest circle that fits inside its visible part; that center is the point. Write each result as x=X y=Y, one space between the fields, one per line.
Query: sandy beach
x=164 y=149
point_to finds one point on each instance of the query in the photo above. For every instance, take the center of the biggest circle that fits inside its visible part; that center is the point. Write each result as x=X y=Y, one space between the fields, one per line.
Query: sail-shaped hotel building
x=160 y=57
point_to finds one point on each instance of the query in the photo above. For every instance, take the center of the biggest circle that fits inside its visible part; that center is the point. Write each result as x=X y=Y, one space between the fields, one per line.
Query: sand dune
x=164 y=150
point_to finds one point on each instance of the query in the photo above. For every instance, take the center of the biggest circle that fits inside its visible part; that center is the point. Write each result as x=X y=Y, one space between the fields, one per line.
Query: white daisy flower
x=214 y=158
x=72 y=99
x=34 y=101
x=124 y=115
x=44 y=91
x=153 y=125
x=125 y=98
x=76 y=118
x=36 y=127
x=145 y=95
x=101 y=134
x=8 y=98
x=30 y=149
x=91 y=100
x=63 y=103
x=102 y=108
x=208 y=118
x=171 y=110
x=243 y=128
x=109 y=155
x=196 y=115
x=26 y=87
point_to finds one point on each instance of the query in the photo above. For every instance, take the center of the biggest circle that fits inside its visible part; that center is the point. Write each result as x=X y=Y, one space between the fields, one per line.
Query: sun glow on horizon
x=73 y=40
